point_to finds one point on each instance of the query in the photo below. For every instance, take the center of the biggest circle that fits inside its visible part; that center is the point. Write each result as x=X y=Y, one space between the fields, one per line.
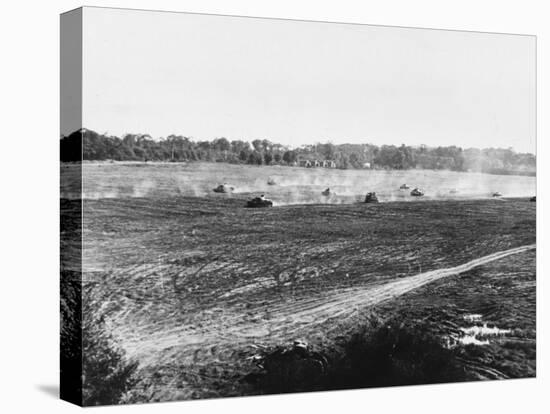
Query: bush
x=395 y=354
x=379 y=355
x=70 y=387
x=107 y=374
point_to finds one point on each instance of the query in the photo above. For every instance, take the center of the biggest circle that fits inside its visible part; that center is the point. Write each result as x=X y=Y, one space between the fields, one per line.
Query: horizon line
x=193 y=139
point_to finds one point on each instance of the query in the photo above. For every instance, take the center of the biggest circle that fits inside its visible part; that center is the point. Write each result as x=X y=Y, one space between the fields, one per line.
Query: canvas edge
x=70 y=374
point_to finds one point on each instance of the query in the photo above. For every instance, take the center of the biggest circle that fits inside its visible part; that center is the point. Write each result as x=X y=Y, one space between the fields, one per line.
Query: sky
x=296 y=82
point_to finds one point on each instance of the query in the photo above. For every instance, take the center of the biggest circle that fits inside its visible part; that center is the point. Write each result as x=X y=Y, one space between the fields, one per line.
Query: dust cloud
x=287 y=185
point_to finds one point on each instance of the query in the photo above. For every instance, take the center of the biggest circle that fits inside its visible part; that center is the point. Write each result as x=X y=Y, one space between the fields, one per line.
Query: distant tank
x=534 y=198
x=271 y=181
x=371 y=198
x=497 y=194
x=404 y=187
x=223 y=188
x=259 y=202
x=326 y=192
x=453 y=191
x=417 y=192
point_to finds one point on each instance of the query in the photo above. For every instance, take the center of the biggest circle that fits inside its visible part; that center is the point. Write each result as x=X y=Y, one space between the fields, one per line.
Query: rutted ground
x=190 y=285
x=284 y=322
x=190 y=282
x=490 y=310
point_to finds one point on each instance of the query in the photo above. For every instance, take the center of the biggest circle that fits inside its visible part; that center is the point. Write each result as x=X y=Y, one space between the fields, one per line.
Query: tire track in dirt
x=284 y=322
x=341 y=303
x=301 y=316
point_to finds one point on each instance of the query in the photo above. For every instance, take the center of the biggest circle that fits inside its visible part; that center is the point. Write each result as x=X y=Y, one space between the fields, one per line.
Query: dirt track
x=285 y=322
x=189 y=281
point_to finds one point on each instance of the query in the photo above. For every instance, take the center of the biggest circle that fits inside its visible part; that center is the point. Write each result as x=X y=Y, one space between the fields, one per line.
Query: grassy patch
x=380 y=354
x=106 y=373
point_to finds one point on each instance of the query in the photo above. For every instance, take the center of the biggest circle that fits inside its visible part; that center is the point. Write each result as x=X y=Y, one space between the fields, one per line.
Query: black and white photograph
x=291 y=206
x=256 y=206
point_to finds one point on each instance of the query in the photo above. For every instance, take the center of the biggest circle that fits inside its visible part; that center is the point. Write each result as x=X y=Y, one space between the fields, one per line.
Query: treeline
x=177 y=148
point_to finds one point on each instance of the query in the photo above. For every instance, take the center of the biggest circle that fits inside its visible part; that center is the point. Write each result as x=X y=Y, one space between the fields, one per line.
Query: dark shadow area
x=381 y=355
x=51 y=390
x=70 y=289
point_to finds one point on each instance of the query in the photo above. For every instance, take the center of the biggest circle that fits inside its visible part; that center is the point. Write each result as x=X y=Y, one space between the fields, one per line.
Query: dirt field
x=489 y=311
x=191 y=284
x=294 y=185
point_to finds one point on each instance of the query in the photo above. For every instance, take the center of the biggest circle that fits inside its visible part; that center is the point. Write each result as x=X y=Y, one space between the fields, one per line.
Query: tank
x=259 y=202
x=417 y=192
x=453 y=191
x=497 y=194
x=223 y=188
x=271 y=181
x=404 y=187
x=326 y=192
x=371 y=198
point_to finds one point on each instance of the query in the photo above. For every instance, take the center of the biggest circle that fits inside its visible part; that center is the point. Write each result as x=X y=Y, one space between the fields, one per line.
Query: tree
x=354 y=160
x=221 y=144
x=237 y=146
x=328 y=151
x=257 y=145
x=90 y=145
x=289 y=157
x=343 y=161
x=266 y=145
x=255 y=158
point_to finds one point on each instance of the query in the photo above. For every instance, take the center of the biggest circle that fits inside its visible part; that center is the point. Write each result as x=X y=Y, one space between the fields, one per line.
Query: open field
x=191 y=283
x=490 y=309
x=295 y=185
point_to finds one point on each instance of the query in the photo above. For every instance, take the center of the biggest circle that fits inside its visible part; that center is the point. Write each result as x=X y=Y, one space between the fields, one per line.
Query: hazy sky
x=302 y=82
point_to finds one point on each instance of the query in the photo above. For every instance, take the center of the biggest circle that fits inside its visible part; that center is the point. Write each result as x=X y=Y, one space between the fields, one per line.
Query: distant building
x=317 y=163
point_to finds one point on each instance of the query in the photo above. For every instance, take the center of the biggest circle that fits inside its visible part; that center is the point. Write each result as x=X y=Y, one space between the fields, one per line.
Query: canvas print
x=258 y=206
